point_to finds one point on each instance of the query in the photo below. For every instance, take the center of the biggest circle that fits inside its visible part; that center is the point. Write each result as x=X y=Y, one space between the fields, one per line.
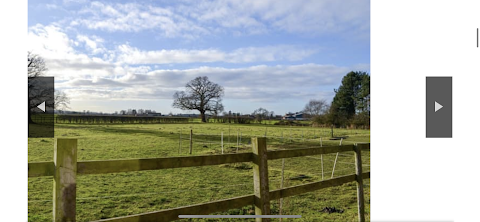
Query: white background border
x=414 y=178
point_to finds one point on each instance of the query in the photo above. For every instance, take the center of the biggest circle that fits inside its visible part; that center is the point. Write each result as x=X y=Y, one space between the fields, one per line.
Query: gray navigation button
x=439 y=107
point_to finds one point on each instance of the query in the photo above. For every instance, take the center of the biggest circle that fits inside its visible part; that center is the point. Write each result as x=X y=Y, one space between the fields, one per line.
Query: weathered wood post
x=191 y=140
x=64 y=180
x=238 y=134
x=359 y=178
x=179 y=141
x=260 y=178
x=222 y=142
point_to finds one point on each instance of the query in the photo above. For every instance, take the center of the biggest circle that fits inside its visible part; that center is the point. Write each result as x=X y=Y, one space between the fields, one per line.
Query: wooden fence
x=65 y=168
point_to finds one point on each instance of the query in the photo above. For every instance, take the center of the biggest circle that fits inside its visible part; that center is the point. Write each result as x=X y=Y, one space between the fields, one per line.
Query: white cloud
x=302 y=16
x=51 y=6
x=255 y=83
x=132 y=55
x=132 y=17
x=74 y=1
x=270 y=54
x=194 y=18
x=63 y=61
x=49 y=39
x=94 y=43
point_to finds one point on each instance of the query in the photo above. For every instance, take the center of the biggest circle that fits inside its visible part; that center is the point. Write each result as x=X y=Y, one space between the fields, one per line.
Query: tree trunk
x=332 y=130
x=202 y=115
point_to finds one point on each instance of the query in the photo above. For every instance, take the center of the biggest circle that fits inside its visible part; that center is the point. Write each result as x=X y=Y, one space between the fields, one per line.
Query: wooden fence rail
x=65 y=168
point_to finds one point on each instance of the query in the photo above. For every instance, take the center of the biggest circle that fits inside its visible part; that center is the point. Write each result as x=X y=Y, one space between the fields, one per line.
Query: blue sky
x=116 y=55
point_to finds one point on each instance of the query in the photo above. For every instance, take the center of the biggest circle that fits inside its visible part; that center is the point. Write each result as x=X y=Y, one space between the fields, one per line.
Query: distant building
x=294 y=116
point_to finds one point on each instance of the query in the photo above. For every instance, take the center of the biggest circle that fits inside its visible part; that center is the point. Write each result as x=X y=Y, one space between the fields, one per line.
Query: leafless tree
x=260 y=114
x=61 y=100
x=315 y=108
x=200 y=94
x=36 y=65
x=36 y=68
x=38 y=92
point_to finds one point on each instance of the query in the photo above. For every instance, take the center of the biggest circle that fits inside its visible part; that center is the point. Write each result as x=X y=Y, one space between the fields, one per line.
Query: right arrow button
x=438 y=106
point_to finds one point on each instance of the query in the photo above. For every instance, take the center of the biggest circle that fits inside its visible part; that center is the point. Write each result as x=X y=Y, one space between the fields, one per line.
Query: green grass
x=121 y=194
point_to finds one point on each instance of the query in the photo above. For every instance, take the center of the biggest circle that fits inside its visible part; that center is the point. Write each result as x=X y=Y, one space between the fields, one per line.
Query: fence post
x=359 y=178
x=222 y=142
x=260 y=178
x=180 y=142
x=191 y=140
x=64 y=180
x=237 y=140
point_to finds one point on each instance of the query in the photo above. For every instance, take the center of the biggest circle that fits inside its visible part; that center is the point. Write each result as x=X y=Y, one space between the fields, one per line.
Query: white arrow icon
x=438 y=106
x=42 y=106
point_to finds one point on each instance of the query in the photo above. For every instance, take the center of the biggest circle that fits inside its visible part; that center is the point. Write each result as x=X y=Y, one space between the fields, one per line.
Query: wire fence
x=240 y=140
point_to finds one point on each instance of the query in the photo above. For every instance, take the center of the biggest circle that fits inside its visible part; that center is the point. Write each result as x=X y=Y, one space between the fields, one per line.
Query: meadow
x=120 y=194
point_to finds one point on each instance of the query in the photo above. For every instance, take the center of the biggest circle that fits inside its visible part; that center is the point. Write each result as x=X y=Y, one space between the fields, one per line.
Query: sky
x=109 y=56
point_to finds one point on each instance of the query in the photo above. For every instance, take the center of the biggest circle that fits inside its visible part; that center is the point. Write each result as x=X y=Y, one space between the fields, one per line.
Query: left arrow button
x=42 y=106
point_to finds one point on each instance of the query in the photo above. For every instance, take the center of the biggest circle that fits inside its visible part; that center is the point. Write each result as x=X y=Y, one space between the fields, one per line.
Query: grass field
x=112 y=195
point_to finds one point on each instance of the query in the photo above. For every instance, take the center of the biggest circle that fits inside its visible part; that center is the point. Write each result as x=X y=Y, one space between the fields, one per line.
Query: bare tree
x=201 y=94
x=38 y=92
x=315 y=107
x=36 y=65
x=61 y=100
x=260 y=114
x=36 y=68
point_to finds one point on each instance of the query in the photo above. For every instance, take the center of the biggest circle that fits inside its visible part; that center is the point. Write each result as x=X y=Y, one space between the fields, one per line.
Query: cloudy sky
x=114 y=55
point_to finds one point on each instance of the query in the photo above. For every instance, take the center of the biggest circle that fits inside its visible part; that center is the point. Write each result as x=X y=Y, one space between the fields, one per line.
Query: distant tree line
x=350 y=106
x=85 y=119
